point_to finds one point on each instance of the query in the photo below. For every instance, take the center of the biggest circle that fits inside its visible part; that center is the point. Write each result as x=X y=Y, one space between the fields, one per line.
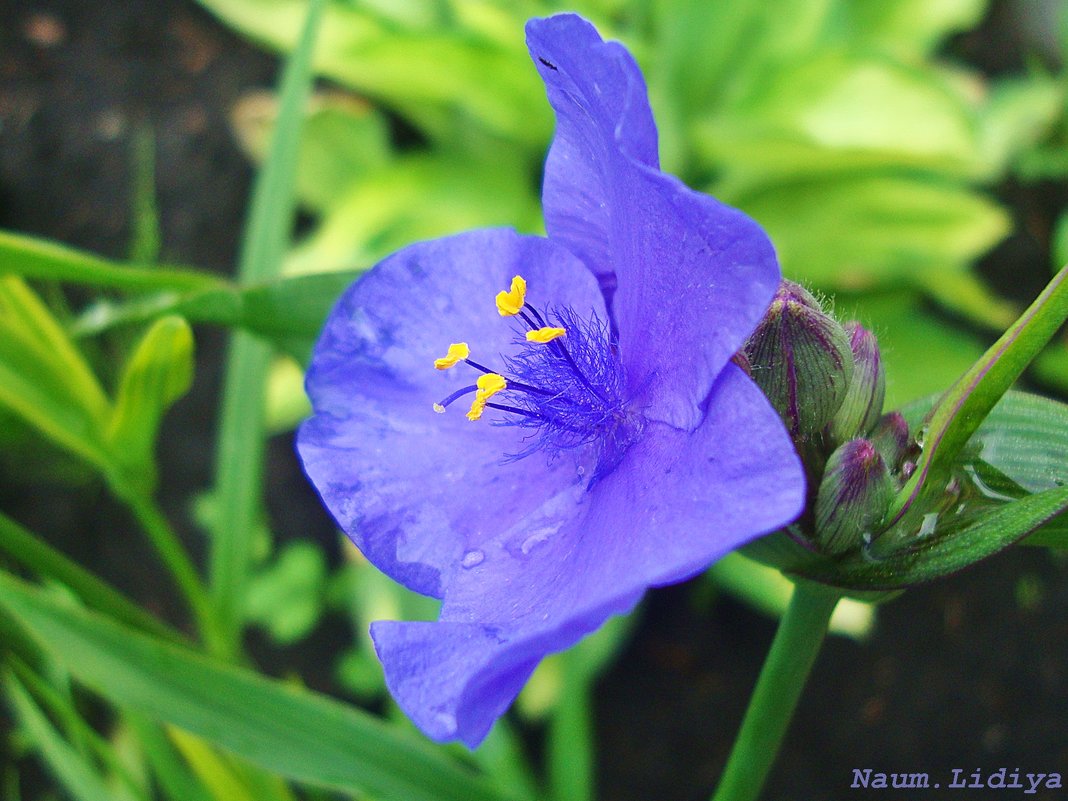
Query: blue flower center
x=564 y=382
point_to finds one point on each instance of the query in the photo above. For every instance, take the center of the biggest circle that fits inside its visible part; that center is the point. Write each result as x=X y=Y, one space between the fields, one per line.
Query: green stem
x=792 y=654
x=242 y=429
x=570 y=742
x=177 y=561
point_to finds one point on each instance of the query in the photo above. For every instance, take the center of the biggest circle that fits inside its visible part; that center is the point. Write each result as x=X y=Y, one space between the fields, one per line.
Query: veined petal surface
x=692 y=276
x=416 y=490
x=677 y=502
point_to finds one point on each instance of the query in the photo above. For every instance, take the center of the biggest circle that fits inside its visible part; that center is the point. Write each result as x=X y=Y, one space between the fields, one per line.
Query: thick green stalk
x=785 y=671
x=570 y=742
x=240 y=457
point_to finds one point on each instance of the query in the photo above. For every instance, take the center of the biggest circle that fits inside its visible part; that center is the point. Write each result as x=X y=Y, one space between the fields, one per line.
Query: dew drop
x=534 y=539
x=984 y=488
x=446 y=721
x=921 y=437
x=928 y=524
x=472 y=559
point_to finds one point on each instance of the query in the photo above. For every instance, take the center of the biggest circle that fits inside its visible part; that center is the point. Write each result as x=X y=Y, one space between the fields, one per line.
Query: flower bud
x=864 y=398
x=801 y=359
x=853 y=497
x=891 y=438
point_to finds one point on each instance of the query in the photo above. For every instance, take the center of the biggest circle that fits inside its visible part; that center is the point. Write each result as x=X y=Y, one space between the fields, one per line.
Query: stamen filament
x=558 y=347
x=581 y=377
x=511 y=384
x=479 y=367
x=530 y=323
x=534 y=312
x=443 y=404
x=514 y=410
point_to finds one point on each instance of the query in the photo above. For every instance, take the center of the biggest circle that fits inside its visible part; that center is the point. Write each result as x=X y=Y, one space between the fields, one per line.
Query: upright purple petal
x=677 y=502
x=576 y=64
x=694 y=276
x=417 y=490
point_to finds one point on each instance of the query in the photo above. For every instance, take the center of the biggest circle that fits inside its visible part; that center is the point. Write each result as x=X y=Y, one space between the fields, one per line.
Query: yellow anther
x=458 y=351
x=511 y=302
x=488 y=385
x=478 y=406
x=544 y=335
x=439 y=408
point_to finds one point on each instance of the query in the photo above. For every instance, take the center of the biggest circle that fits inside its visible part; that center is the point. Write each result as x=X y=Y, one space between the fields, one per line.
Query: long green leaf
x=1021 y=447
x=145 y=239
x=77 y=775
x=31 y=257
x=158 y=372
x=239 y=462
x=173 y=775
x=288 y=312
x=964 y=407
x=295 y=733
x=44 y=560
x=43 y=377
x=60 y=706
x=941 y=553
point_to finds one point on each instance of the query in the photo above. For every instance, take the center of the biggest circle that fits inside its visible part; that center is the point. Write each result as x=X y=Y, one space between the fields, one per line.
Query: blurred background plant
x=895 y=162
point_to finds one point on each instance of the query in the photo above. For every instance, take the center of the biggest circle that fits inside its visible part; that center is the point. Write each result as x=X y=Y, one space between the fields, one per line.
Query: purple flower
x=609 y=444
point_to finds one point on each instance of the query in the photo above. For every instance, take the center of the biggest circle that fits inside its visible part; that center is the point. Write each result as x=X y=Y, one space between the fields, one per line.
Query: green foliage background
x=870 y=156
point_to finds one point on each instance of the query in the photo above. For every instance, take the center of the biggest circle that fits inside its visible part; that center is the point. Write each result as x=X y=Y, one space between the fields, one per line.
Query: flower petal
x=677 y=502
x=693 y=275
x=415 y=490
x=576 y=65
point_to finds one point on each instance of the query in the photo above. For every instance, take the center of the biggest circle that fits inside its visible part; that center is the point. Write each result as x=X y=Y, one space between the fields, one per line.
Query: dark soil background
x=968 y=673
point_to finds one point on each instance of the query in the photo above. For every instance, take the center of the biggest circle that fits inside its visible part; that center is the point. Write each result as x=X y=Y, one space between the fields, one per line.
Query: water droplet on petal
x=472 y=558
x=534 y=539
x=446 y=721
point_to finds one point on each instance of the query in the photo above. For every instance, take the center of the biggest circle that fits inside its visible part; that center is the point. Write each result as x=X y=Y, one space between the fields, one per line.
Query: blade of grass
x=31 y=257
x=293 y=732
x=968 y=402
x=35 y=554
x=81 y=779
x=570 y=741
x=78 y=731
x=211 y=768
x=145 y=241
x=242 y=429
x=173 y=776
x=501 y=756
x=169 y=546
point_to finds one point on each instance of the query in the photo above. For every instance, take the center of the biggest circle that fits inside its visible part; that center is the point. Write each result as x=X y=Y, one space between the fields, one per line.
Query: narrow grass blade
x=242 y=429
x=157 y=373
x=37 y=555
x=31 y=257
x=292 y=732
x=146 y=239
x=968 y=402
x=71 y=769
x=175 y=779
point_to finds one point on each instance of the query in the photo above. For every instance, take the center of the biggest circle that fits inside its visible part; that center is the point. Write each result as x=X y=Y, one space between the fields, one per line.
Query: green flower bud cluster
x=827 y=382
